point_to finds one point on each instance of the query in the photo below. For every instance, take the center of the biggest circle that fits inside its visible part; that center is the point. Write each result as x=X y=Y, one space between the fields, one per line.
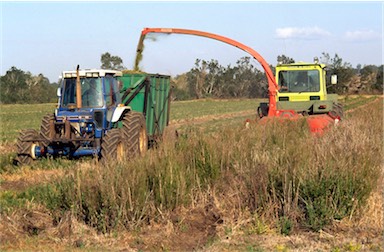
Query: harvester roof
x=301 y=64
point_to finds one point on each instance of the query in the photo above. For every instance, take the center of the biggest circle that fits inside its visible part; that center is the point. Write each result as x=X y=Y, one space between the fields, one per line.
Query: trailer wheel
x=45 y=130
x=135 y=133
x=25 y=145
x=113 y=147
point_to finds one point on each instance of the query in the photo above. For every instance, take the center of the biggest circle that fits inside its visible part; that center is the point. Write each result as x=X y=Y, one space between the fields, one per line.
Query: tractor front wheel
x=124 y=143
x=25 y=145
x=112 y=147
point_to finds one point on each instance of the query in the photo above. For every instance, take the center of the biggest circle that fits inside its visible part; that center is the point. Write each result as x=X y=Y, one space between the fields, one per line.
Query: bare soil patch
x=28 y=178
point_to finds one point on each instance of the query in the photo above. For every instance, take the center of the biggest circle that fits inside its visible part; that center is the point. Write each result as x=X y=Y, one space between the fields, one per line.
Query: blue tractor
x=101 y=121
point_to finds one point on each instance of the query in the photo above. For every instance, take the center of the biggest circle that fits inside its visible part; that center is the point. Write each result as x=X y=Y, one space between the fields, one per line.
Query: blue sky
x=49 y=37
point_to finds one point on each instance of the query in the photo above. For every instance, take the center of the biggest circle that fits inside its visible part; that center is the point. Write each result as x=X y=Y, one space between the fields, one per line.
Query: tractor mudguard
x=119 y=112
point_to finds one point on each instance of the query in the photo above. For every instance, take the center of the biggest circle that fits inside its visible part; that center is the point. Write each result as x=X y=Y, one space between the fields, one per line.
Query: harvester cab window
x=92 y=95
x=282 y=82
x=299 y=81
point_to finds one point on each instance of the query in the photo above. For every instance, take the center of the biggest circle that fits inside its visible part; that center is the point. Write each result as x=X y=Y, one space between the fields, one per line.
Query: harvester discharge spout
x=272 y=85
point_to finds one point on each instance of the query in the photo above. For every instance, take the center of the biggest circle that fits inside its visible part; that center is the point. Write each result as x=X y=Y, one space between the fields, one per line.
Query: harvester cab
x=303 y=88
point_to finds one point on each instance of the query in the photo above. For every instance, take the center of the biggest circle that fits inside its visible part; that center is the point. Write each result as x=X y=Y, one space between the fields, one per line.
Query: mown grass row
x=207 y=107
x=355 y=102
x=277 y=171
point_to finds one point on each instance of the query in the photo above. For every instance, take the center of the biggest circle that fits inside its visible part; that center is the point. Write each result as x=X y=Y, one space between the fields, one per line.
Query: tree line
x=18 y=86
x=210 y=79
x=207 y=78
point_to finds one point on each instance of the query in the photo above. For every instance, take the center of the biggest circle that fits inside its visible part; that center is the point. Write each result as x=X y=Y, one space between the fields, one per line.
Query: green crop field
x=219 y=187
x=14 y=118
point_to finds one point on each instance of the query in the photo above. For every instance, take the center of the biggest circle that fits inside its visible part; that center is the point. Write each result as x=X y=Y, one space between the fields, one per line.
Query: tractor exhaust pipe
x=78 y=89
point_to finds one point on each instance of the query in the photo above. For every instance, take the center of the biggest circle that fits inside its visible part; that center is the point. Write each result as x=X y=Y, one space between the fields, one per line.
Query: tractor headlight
x=89 y=127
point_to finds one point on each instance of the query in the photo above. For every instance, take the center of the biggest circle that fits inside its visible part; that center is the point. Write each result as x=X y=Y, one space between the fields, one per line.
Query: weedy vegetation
x=284 y=177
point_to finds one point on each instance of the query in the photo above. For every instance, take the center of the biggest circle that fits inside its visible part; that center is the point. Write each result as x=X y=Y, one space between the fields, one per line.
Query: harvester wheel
x=337 y=110
x=25 y=145
x=135 y=134
x=45 y=130
x=113 y=147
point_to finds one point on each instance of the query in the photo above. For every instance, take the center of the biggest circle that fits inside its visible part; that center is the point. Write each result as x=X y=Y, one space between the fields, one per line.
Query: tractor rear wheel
x=25 y=143
x=45 y=130
x=112 y=147
x=135 y=133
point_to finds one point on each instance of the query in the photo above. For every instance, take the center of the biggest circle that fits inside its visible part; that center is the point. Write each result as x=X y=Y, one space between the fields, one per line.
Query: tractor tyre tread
x=133 y=133
x=24 y=147
x=109 y=145
x=45 y=129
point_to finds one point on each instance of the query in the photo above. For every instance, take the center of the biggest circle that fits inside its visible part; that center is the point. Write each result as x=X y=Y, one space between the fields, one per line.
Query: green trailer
x=148 y=94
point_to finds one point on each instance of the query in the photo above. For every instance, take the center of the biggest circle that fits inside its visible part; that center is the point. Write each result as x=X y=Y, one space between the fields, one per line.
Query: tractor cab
x=302 y=87
x=92 y=111
x=98 y=89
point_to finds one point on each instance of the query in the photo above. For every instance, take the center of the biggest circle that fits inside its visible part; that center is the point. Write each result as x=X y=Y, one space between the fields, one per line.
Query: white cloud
x=301 y=33
x=361 y=35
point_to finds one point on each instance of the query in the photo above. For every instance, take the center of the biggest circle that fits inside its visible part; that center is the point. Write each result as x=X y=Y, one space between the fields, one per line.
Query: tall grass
x=277 y=170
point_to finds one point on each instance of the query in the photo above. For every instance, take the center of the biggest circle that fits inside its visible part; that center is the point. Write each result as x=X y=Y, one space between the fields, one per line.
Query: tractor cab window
x=69 y=92
x=299 y=81
x=112 y=97
x=91 y=92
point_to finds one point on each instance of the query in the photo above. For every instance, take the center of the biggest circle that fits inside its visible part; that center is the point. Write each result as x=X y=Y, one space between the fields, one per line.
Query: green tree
x=13 y=86
x=245 y=78
x=358 y=68
x=368 y=70
x=343 y=70
x=41 y=90
x=111 y=62
x=180 y=87
x=285 y=59
x=210 y=79
x=18 y=86
x=196 y=78
x=379 y=80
